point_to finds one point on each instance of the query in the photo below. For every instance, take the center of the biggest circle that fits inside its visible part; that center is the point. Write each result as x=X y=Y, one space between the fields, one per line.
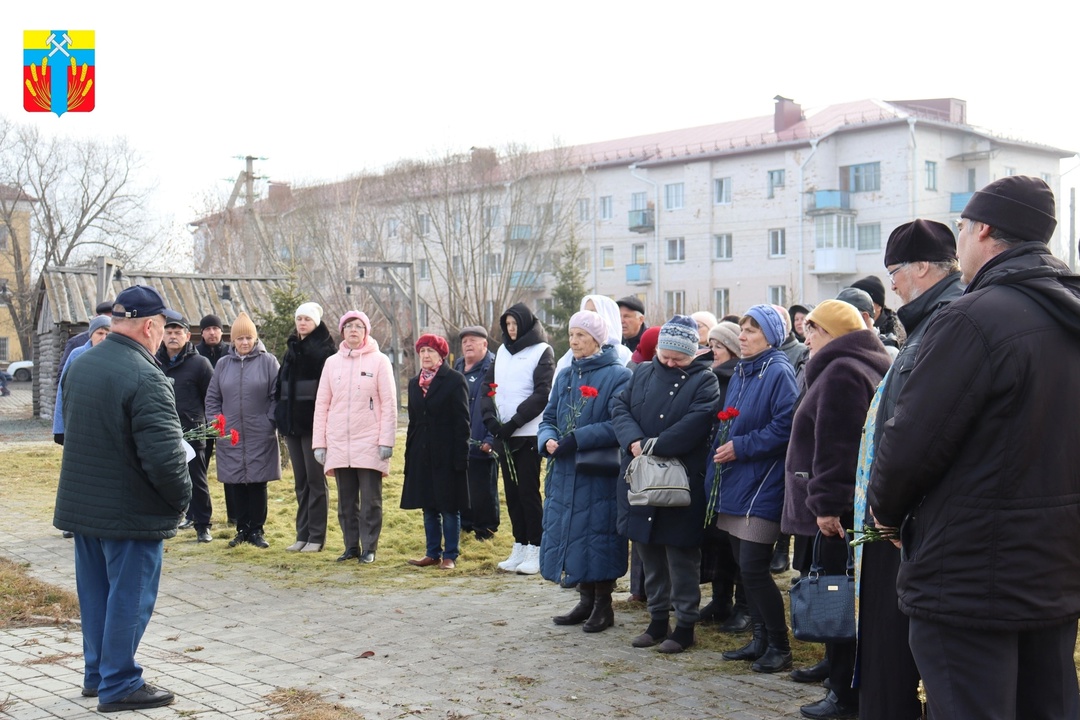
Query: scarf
x=426 y=376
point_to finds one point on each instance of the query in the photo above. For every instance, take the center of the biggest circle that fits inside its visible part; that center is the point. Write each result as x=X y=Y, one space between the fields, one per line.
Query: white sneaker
x=531 y=564
x=296 y=546
x=517 y=555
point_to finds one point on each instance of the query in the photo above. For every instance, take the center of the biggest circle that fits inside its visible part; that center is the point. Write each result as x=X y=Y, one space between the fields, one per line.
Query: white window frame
x=493 y=261
x=583 y=210
x=723 y=247
x=777 y=295
x=639 y=201
x=931 y=175
x=674 y=196
x=675 y=302
x=722 y=301
x=639 y=254
x=777 y=242
x=722 y=191
x=423 y=269
x=863 y=177
x=607 y=207
x=776 y=179
x=423 y=224
x=863 y=234
x=607 y=258
x=392 y=225
x=676 y=249
x=491 y=216
x=423 y=314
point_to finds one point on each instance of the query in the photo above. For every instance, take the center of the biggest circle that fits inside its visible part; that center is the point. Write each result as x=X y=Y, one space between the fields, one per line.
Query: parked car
x=22 y=370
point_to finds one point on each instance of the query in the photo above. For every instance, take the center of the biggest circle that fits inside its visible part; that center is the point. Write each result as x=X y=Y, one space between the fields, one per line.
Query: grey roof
x=69 y=295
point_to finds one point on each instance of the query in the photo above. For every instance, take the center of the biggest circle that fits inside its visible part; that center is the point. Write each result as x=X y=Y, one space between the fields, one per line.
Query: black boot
x=776 y=658
x=720 y=607
x=240 y=539
x=781 y=559
x=739 y=621
x=602 y=616
x=680 y=640
x=582 y=610
x=751 y=650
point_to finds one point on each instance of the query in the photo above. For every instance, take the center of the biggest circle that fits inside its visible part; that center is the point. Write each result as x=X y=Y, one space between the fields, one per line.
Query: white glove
x=320 y=455
x=385 y=451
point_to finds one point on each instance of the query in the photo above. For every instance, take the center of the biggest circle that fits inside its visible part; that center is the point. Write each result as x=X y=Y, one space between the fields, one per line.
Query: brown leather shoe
x=446 y=564
x=424 y=562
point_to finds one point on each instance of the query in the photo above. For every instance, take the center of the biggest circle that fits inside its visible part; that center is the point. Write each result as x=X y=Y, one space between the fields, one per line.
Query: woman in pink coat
x=353 y=434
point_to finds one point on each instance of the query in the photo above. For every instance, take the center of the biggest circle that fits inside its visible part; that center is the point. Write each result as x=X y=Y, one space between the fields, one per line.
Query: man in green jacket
x=123 y=484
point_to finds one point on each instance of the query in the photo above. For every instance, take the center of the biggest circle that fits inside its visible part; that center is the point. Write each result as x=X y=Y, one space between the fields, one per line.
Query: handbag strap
x=647 y=446
x=815 y=562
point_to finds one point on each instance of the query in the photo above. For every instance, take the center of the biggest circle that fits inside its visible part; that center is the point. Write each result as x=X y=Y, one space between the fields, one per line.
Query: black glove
x=567 y=446
x=507 y=429
x=58 y=438
x=492 y=426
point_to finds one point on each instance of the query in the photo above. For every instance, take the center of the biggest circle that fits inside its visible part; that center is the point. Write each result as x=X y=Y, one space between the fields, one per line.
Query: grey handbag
x=657 y=481
x=823 y=606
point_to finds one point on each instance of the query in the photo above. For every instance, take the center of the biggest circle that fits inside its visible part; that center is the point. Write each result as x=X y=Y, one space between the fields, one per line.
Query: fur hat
x=243 y=326
x=872 y=286
x=727 y=334
x=770 y=322
x=591 y=323
x=679 y=334
x=920 y=241
x=353 y=315
x=312 y=310
x=434 y=342
x=836 y=317
x=1021 y=206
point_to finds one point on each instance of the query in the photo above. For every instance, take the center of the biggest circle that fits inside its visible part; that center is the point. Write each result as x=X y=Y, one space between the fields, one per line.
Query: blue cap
x=141 y=301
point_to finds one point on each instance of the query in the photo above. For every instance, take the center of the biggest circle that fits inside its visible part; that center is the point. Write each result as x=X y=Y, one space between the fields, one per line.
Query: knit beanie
x=1021 y=206
x=679 y=334
x=434 y=342
x=872 y=286
x=210 y=321
x=770 y=322
x=354 y=315
x=836 y=317
x=920 y=241
x=243 y=326
x=727 y=334
x=646 y=347
x=784 y=318
x=312 y=310
x=704 y=317
x=101 y=321
x=591 y=323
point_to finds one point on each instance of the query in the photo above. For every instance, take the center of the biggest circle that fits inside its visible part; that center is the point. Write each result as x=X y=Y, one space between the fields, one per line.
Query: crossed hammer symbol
x=59 y=46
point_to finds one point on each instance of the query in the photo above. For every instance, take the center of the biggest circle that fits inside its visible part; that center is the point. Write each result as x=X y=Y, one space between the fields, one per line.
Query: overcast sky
x=326 y=89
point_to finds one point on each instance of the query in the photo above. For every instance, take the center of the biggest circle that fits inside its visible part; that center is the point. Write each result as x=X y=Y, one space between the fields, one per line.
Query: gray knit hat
x=679 y=334
x=727 y=334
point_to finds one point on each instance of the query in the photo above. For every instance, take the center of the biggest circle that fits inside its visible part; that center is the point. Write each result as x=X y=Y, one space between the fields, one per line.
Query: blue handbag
x=823 y=606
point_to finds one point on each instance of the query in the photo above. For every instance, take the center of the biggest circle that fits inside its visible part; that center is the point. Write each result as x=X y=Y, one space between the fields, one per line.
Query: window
x=722 y=246
x=489 y=312
x=861 y=178
x=673 y=196
x=721 y=191
x=546 y=306
x=607 y=258
x=491 y=215
x=1010 y=171
x=676 y=249
x=583 y=210
x=834 y=232
x=607 y=208
x=392 y=227
x=423 y=269
x=776 y=180
x=971 y=180
x=722 y=301
x=458 y=265
x=4 y=232
x=545 y=213
x=675 y=302
x=868 y=237
x=423 y=223
x=459 y=222
x=777 y=244
x=778 y=295
x=639 y=201
x=493 y=261
x=1046 y=177
x=423 y=314
x=521 y=232
x=4 y=349
x=637 y=254
x=931 y=175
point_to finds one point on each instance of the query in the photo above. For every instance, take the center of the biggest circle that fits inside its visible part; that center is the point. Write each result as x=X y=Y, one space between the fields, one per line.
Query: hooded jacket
x=190 y=374
x=298 y=380
x=474 y=376
x=356 y=408
x=522 y=371
x=243 y=391
x=982 y=452
x=762 y=389
x=841 y=379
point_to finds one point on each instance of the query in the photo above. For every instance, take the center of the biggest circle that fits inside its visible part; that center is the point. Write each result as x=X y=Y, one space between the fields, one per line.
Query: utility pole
x=1072 y=229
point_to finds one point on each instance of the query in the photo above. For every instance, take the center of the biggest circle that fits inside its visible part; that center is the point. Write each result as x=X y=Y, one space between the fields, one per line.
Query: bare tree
x=83 y=200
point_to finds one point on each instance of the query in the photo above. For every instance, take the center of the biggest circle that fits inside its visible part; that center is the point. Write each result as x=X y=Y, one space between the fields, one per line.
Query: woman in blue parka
x=750 y=500
x=581 y=544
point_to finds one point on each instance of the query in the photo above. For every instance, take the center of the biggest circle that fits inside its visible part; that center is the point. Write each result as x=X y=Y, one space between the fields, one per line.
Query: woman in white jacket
x=353 y=434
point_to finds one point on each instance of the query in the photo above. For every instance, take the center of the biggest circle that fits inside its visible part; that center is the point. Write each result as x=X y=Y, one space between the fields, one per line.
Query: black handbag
x=823 y=606
x=597 y=461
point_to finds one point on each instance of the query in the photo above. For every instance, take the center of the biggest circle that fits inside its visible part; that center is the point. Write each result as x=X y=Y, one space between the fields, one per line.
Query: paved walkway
x=471 y=647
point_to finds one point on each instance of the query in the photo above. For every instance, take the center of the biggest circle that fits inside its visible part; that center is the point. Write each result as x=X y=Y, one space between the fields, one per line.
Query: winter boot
x=781 y=560
x=582 y=610
x=602 y=616
x=776 y=658
x=739 y=621
x=751 y=650
x=517 y=555
x=530 y=565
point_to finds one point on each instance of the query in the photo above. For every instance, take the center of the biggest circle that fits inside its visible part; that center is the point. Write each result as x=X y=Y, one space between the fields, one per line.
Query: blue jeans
x=440 y=527
x=117 y=582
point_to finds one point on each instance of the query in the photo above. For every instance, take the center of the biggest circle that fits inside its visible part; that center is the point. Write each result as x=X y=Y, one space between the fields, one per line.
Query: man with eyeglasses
x=977 y=466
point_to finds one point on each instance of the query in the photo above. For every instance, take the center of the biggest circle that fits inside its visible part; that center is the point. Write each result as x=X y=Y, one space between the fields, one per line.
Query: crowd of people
x=925 y=429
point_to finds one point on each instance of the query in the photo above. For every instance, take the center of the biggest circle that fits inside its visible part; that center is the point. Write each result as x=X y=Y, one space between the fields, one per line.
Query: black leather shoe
x=68 y=534
x=350 y=554
x=780 y=562
x=145 y=697
x=715 y=611
x=773 y=661
x=186 y=525
x=813 y=674
x=203 y=535
x=738 y=622
x=829 y=708
x=238 y=540
x=367 y=558
x=258 y=540
x=89 y=691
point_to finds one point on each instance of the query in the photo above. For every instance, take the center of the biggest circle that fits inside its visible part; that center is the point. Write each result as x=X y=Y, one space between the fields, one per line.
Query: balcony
x=639 y=273
x=958 y=201
x=642 y=221
x=828 y=201
x=834 y=261
x=526 y=280
x=521 y=232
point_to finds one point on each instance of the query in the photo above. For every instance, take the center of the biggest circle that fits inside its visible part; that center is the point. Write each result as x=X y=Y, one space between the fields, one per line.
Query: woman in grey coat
x=243 y=391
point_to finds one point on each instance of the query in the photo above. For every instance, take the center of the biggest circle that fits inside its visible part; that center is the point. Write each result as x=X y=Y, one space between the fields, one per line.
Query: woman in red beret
x=437 y=451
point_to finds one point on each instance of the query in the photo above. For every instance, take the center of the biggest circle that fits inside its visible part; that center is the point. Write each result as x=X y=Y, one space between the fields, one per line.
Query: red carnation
x=234 y=436
x=589 y=392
